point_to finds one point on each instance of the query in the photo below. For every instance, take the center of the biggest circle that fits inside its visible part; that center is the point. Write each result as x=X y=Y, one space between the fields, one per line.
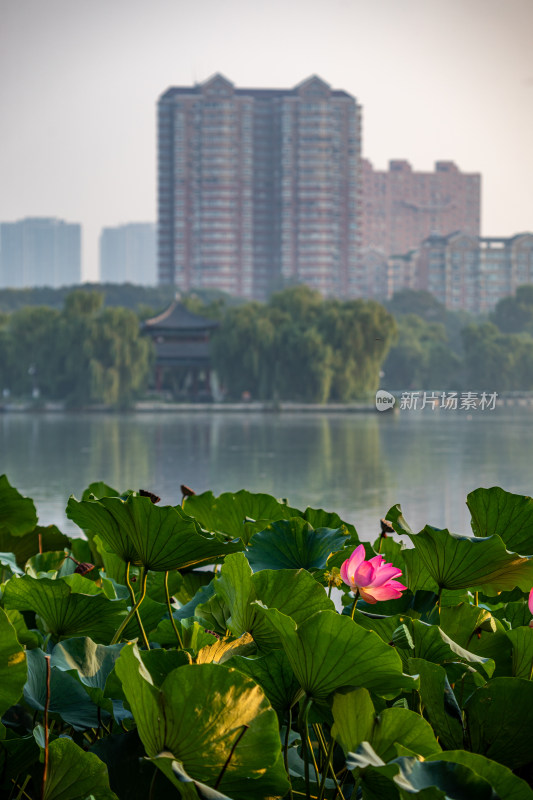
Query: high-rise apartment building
x=472 y=273
x=128 y=254
x=39 y=251
x=401 y=208
x=259 y=187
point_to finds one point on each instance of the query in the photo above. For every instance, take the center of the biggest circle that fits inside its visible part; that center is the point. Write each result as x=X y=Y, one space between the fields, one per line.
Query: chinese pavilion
x=182 y=358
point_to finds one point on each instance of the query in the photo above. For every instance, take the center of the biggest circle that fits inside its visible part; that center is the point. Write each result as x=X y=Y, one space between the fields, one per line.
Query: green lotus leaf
x=329 y=651
x=17 y=513
x=293 y=544
x=64 y=612
x=193 y=635
x=17 y=757
x=68 y=697
x=47 y=538
x=274 y=675
x=13 y=668
x=355 y=721
x=500 y=718
x=461 y=562
x=74 y=774
x=29 y=639
x=164 y=537
x=92 y=516
x=522 y=643
x=161 y=663
x=230 y=512
x=464 y=621
x=9 y=562
x=318 y=518
x=294 y=592
x=439 y=703
x=404 y=777
x=516 y=613
x=506 y=785
x=93 y=662
x=99 y=489
x=510 y=516
x=200 y=714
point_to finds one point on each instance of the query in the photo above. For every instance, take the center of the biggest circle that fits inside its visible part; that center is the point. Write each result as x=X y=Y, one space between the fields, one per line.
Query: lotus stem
x=122 y=626
x=302 y=725
x=326 y=768
x=476 y=598
x=356 y=598
x=46 y=706
x=137 y=614
x=226 y=765
x=310 y=745
x=286 y=753
x=169 y=606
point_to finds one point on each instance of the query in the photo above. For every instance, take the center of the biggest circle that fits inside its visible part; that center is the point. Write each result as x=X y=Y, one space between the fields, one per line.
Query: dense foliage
x=194 y=651
x=83 y=354
x=302 y=347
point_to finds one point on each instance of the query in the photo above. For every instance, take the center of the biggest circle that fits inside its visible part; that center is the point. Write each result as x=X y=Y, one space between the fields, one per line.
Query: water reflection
x=358 y=465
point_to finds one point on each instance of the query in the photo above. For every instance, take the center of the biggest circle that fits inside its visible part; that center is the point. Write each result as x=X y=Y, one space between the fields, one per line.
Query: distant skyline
x=437 y=79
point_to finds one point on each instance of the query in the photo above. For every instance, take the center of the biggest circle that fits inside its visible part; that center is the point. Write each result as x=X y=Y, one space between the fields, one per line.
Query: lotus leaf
x=510 y=516
x=293 y=544
x=356 y=721
x=328 y=651
x=64 y=612
x=201 y=714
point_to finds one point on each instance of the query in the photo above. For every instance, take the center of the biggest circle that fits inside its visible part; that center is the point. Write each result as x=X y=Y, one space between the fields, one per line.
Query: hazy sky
x=79 y=82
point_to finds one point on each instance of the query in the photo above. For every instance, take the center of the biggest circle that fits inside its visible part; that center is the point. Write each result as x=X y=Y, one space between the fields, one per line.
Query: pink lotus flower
x=530 y=604
x=373 y=579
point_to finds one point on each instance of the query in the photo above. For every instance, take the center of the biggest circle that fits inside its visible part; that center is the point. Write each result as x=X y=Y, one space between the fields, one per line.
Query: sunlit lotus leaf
x=230 y=512
x=355 y=721
x=506 y=785
x=439 y=702
x=510 y=516
x=435 y=780
x=165 y=537
x=294 y=592
x=68 y=697
x=198 y=714
x=462 y=562
x=329 y=651
x=522 y=644
x=50 y=561
x=74 y=774
x=64 y=612
x=13 y=669
x=500 y=719
x=293 y=544
x=225 y=648
x=17 y=513
x=274 y=674
x=93 y=517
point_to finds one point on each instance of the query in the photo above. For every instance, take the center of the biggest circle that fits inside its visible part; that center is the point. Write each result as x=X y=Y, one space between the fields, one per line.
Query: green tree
x=496 y=361
x=515 y=314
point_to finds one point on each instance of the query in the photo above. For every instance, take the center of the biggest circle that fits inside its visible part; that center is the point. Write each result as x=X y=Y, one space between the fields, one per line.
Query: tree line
x=298 y=346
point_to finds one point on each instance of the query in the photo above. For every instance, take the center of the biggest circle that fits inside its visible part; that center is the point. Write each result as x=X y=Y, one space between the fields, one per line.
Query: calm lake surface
x=356 y=464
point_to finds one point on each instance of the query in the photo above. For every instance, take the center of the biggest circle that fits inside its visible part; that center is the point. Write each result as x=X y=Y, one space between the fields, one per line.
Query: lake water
x=356 y=464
